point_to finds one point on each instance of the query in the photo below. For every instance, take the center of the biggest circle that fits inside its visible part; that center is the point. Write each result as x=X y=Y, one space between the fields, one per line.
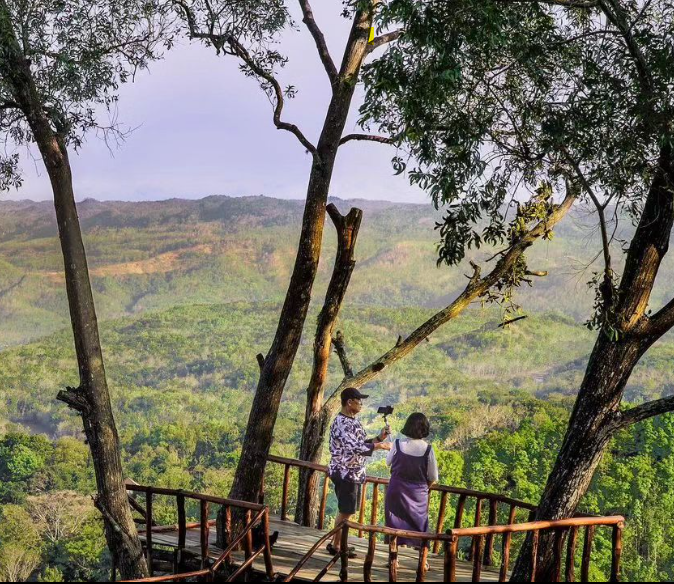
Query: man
x=349 y=446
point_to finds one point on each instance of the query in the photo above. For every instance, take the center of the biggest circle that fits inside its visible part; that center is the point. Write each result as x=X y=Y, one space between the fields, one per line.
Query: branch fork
x=75 y=398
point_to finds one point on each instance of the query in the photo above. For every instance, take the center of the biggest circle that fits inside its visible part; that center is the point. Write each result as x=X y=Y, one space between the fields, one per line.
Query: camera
x=386 y=410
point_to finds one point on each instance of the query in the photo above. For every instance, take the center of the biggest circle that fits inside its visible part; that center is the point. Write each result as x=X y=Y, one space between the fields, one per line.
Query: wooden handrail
x=609 y=521
x=254 y=514
x=195 y=496
x=479 y=535
x=235 y=543
x=384 y=481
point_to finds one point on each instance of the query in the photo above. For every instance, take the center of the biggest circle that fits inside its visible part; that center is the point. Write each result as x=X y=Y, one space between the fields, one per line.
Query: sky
x=200 y=128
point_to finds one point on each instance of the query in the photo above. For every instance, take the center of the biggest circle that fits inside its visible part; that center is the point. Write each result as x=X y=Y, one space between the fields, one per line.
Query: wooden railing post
x=478 y=520
x=268 y=563
x=228 y=531
x=375 y=504
x=182 y=530
x=324 y=500
x=423 y=558
x=148 y=528
x=441 y=520
x=570 y=574
x=489 y=544
x=361 y=511
x=534 y=554
x=344 y=554
x=460 y=506
x=248 y=541
x=512 y=516
x=203 y=533
x=505 y=548
x=505 y=557
x=393 y=558
x=284 y=498
x=369 y=558
x=451 y=550
x=558 y=553
x=587 y=551
x=477 y=557
x=617 y=552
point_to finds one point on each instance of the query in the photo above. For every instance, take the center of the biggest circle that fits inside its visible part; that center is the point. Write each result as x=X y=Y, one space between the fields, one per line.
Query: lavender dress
x=406 y=503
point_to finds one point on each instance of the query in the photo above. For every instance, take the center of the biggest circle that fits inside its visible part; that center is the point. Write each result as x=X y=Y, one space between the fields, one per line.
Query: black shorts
x=348 y=494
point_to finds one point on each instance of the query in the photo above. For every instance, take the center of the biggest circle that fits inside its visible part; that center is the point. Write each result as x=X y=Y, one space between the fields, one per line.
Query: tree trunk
x=590 y=430
x=317 y=419
x=596 y=413
x=278 y=362
x=311 y=448
x=91 y=399
x=347 y=233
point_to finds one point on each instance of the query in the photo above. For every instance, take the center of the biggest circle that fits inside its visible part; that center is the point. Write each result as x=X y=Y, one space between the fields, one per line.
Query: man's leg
x=337 y=539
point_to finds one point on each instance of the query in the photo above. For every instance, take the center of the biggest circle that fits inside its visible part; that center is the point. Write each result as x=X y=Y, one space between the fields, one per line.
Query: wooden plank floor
x=294 y=541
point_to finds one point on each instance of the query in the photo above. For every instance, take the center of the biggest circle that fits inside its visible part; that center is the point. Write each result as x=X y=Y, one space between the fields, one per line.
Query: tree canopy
x=79 y=53
x=491 y=99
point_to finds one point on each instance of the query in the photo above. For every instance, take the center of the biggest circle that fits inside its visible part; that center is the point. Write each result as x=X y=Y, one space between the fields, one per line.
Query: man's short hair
x=417 y=426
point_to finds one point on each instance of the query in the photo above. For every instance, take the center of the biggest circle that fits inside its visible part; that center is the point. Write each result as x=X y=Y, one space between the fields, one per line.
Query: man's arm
x=353 y=440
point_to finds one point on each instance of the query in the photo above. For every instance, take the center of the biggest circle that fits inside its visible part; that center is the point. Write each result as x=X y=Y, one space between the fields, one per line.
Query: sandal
x=333 y=551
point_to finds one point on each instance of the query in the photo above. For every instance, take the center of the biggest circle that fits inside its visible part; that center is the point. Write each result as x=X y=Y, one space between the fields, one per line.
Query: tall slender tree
x=58 y=62
x=581 y=87
x=227 y=26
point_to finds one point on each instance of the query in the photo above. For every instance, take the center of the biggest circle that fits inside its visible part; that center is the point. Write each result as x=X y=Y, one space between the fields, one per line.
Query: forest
x=525 y=308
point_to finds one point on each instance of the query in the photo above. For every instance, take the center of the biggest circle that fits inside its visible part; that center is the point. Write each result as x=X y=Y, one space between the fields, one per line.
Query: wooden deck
x=295 y=541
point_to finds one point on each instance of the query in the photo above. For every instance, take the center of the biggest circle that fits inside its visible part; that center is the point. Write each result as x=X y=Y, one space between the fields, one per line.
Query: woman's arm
x=432 y=471
x=389 y=456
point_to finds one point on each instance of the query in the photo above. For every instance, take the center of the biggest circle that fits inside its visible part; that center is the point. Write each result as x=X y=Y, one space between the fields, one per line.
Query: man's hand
x=385 y=433
x=382 y=445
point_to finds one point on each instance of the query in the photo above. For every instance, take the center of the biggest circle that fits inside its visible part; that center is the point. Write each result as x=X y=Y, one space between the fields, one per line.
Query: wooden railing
x=495 y=504
x=255 y=515
x=482 y=537
x=564 y=530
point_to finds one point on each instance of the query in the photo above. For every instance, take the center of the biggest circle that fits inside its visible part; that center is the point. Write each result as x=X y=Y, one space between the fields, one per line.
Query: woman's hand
x=382 y=445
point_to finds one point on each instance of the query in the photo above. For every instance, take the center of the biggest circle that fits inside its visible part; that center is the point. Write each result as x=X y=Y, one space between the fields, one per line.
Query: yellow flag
x=371 y=35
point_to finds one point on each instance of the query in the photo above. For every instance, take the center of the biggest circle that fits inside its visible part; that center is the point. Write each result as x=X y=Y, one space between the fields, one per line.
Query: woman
x=413 y=470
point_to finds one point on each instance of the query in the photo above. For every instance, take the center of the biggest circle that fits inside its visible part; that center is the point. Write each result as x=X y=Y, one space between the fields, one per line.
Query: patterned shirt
x=348 y=448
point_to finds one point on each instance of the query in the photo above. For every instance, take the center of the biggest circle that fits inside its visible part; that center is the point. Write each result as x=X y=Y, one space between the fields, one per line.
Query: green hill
x=148 y=256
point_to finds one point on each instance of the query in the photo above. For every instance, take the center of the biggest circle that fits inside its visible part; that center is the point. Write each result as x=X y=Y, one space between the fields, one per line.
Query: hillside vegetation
x=148 y=256
x=188 y=292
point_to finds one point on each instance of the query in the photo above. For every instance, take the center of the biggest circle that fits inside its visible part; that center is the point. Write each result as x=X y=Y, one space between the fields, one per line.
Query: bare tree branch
x=12 y=286
x=661 y=322
x=340 y=348
x=477 y=287
x=384 y=39
x=511 y=321
x=367 y=138
x=643 y=412
x=219 y=41
x=319 y=39
x=605 y=242
x=8 y=104
x=347 y=227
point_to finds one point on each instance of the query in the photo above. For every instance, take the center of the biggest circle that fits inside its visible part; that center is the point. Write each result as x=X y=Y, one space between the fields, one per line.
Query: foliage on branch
x=79 y=53
x=537 y=209
x=489 y=99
